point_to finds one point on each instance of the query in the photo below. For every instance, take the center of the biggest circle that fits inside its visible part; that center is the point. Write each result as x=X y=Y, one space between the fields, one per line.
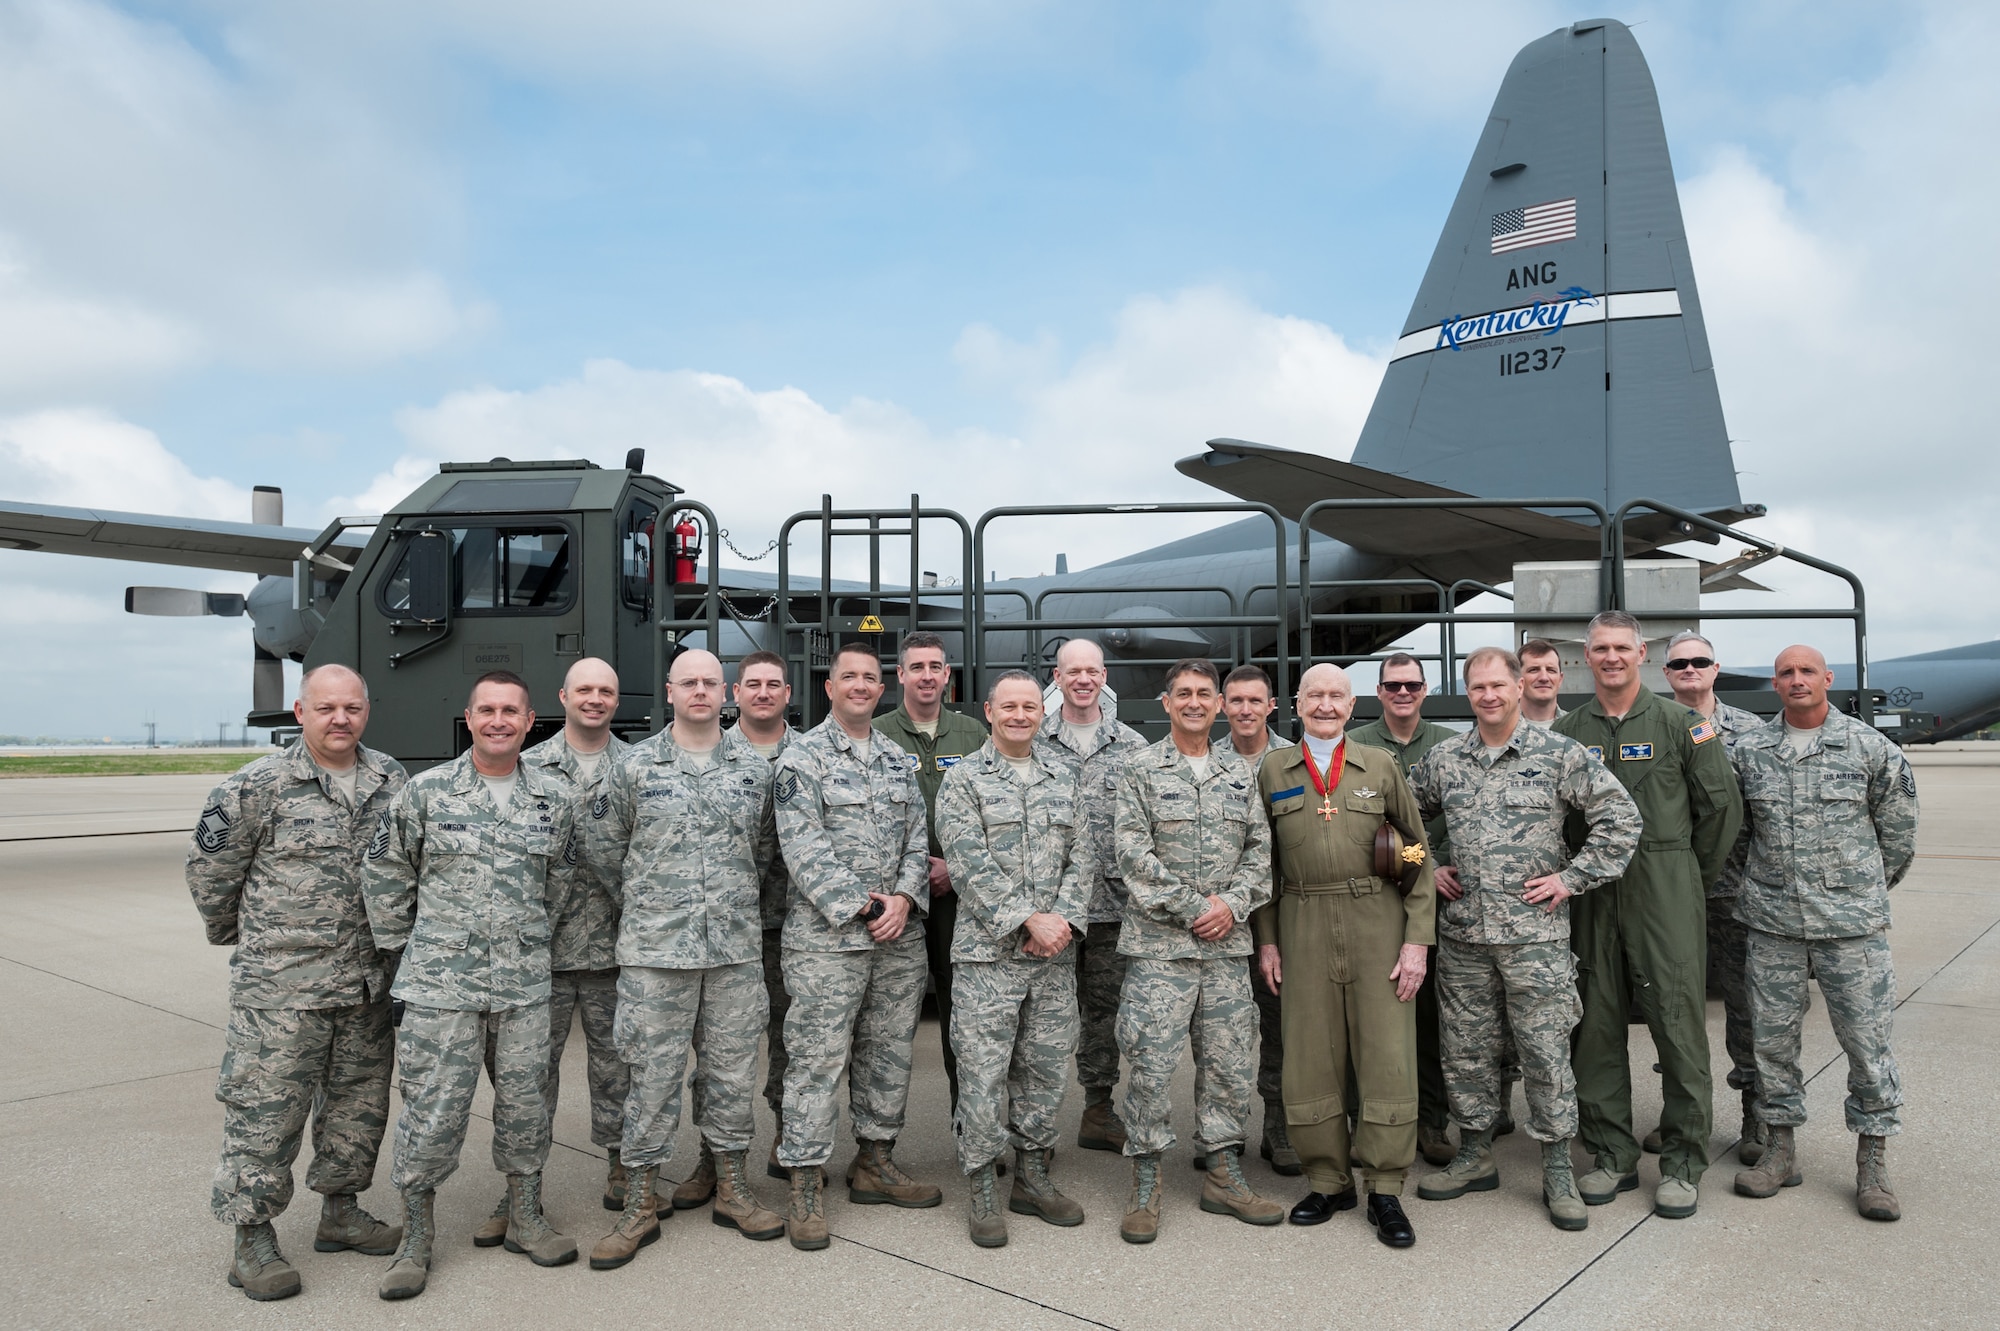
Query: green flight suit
x=1432 y=1105
x=931 y=756
x=1339 y=929
x=1645 y=936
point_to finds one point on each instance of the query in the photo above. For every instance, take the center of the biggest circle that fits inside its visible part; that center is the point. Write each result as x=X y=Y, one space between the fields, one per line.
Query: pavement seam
x=1581 y=1272
x=994 y=1289
x=79 y=836
x=111 y=993
x=105 y=1086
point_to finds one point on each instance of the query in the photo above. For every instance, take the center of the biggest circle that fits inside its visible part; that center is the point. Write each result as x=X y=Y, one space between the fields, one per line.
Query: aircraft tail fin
x=1556 y=344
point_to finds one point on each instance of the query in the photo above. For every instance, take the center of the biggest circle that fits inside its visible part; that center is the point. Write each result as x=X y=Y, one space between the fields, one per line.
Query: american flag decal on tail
x=1539 y=224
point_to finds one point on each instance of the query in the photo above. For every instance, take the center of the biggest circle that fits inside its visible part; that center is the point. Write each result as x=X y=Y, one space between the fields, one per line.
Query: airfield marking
x=78 y=836
x=112 y=993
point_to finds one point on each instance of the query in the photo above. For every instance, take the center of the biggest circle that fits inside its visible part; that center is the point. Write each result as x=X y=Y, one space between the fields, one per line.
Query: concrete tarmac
x=109 y=1133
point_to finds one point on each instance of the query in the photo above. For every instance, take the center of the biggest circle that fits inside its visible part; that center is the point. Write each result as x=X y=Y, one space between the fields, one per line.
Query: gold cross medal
x=1326 y=809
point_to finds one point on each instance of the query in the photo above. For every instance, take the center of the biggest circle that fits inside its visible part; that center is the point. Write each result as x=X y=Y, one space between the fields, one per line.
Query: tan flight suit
x=1339 y=930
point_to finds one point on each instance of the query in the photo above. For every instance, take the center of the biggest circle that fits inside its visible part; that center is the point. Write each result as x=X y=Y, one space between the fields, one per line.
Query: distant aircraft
x=1555 y=349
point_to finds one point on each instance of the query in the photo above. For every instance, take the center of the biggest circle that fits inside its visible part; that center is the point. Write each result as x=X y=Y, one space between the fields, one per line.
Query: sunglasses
x=1402 y=686
x=1691 y=663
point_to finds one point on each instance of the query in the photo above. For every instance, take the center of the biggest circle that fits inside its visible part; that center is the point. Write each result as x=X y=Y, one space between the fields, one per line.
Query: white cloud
x=90 y=459
x=1429 y=60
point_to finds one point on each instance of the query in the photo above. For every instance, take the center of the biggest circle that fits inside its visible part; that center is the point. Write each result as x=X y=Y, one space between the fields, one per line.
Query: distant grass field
x=166 y=762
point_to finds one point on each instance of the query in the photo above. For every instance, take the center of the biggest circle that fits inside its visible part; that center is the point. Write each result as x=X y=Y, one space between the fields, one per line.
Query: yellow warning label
x=872 y=624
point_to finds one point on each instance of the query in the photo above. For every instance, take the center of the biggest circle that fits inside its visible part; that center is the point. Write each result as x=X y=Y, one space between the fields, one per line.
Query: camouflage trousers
x=280 y=1067
x=1166 y=1005
x=595 y=995
x=438 y=1055
x=855 y=1012
x=1728 y=940
x=1100 y=982
x=1014 y=1024
x=665 y=1016
x=1483 y=990
x=1857 y=977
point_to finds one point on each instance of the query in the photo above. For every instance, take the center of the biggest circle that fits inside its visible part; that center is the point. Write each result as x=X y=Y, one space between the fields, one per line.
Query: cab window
x=513 y=569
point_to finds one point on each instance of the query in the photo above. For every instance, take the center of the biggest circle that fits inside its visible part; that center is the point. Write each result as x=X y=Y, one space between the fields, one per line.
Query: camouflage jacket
x=1830 y=832
x=1181 y=839
x=848 y=825
x=1734 y=723
x=777 y=885
x=1096 y=774
x=275 y=868
x=1506 y=815
x=586 y=935
x=1013 y=849
x=685 y=850
x=472 y=889
x=1273 y=741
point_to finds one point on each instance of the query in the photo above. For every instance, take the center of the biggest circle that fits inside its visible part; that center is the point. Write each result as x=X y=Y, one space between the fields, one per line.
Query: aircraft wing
x=149 y=538
x=1291 y=482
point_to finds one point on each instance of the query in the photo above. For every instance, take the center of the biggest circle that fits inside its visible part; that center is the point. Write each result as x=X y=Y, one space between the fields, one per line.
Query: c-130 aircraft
x=1555 y=351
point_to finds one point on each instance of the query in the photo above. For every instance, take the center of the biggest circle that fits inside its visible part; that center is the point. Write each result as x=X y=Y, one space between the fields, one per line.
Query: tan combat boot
x=985 y=1220
x=806 y=1225
x=257 y=1267
x=1226 y=1192
x=616 y=1177
x=1779 y=1167
x=1142 y=1212
x=736 y=1206
x=411 y=1270
x=877 y=1179
x=1471 y=1170
x=345 y=1227
x=698 y=1187
x=1434 y=1145
x=493 y=1232
x=1872 y=1196
x=1100 y=1129
x=528 y=1230
x=638 y=1223
x=1559 y=1194
x=1753 y=1135
x=1035 y=1194
x=1277 y=1145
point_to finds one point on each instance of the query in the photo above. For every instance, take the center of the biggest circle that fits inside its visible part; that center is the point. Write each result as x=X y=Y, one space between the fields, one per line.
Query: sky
x=985 y=252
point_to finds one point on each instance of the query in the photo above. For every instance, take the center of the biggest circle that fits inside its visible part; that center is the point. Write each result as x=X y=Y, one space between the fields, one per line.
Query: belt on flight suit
x=1358 y=887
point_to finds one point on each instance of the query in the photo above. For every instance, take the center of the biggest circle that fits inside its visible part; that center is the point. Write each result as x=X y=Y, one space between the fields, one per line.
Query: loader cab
x=501 y=565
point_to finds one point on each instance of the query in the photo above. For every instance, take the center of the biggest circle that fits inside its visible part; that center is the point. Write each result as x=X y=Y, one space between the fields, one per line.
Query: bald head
x=332 y=711
x=1080 y=651
x=1326 y=700
x=590 y=699
x=1799 y=653
x=1801 y=680
x=692 y=663
x=1080 y=676
x=331 y=676
x=1325 y=675
x=694 y=689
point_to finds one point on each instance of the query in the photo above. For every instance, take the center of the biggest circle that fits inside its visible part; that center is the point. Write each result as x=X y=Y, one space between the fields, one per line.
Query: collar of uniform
x=845 y=742
x=464 y=776
x=1646 y=699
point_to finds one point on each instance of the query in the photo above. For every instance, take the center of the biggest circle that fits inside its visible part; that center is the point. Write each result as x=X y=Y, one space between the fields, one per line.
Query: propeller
x=267 y=673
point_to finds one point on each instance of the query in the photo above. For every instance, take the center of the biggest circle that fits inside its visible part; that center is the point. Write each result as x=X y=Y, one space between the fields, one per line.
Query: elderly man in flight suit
x=851 y=828
x=1506 y=791
x=275 y=868
x=1196 y=855
x=1347 y=948
x=471 y=864
x=1008 y=820
x=683 y=831
x=1832 y=827
x=1645 y=937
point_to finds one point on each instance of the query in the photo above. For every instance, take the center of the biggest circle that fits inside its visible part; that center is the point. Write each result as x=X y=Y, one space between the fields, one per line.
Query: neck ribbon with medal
x=1323 y=786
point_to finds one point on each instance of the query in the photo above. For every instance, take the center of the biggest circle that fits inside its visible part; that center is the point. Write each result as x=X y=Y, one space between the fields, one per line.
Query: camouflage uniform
x=1100 y=967
x=468 y=892
x=1181 y=838
x=1497 y=953
x=583 y=976
x=1727 y=938
x=849 y=824
x=684 y=848
x=275 y=868
x=1011 y=844
x=1270 y=1012
x=1831 y=831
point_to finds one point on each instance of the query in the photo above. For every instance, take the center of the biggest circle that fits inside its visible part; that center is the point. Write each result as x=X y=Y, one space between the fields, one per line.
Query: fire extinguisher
x=687 y=547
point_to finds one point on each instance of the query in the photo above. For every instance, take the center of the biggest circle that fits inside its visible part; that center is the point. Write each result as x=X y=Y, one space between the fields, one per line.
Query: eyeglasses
x=1691 y=663
x=1402 y=686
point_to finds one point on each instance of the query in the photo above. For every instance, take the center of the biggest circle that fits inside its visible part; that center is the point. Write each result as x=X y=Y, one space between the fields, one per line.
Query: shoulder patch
x=378 y=845
x=912 y=762
x=1703 y=733
x=786 y=786
x=945 y=761
x=212 y=832
x=1635 y=753
x=1907 y=782
x=1595 y=750
x=1277 y=795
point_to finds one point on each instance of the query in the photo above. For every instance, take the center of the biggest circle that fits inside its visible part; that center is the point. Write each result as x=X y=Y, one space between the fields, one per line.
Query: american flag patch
x=1702 y=733
x=1538 y=224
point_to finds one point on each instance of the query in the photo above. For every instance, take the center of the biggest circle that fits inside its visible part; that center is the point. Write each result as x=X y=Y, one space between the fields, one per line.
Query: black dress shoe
x=1316 y=1208
x=1391 y=1225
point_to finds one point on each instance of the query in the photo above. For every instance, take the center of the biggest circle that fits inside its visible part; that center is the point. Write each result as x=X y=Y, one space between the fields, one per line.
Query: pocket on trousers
x=1308 y=1112
x=1390 y=1113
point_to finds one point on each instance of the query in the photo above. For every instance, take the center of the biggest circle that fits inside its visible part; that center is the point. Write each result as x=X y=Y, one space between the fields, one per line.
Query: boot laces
x=808 y=1186
x=983 y=1183
x=1146 y=1178
x=1034 y=1167
x=264 y=1245
x=532 y=1225
x=1232 y=1167
x=1469 y=1151
x=416 y=1230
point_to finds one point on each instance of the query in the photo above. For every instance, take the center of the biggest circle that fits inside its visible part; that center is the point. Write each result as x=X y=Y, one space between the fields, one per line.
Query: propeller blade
x=182 y=602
